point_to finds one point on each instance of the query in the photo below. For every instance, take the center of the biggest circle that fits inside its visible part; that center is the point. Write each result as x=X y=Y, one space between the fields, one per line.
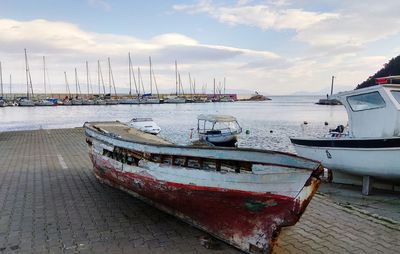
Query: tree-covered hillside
x=389 y=69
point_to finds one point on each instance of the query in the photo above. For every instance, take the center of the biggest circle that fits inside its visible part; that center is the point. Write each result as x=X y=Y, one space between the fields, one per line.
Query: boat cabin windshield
x=366 y=101
x=216 y=127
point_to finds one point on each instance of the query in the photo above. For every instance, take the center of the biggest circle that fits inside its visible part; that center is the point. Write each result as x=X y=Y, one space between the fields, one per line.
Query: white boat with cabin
x=370 y=147
x=145 y=124
x=219 y=130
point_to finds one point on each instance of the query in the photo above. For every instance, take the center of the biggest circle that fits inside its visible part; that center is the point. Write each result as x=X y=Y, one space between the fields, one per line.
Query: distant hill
x=389 y=69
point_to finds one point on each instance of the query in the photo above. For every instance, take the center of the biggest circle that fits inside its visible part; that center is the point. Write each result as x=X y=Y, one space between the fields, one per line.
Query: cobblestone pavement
x=50 y=202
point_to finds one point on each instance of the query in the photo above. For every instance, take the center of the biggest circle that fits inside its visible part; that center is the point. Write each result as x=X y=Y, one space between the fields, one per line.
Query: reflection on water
x=270 y=122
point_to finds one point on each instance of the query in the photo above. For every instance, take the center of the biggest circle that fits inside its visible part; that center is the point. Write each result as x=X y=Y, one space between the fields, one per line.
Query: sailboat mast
x=1 y=81
x=190 y=84
x=130 y=73
x=214 y=87
x=102 y=80
x=44 y=76
x=180 y=83
x=76 y=83
x=112 y=78
x=224 y=85
x=98 y=74
x=140 y=80
x=109 y=75
x=66 y=83
x=176 y=78
x=151 y=79
x=155 y=83
x=87 y=77
x=10 y=86
x=26 y=73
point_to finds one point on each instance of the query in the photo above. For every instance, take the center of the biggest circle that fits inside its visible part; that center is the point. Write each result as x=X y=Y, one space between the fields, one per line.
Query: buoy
x=247 y=131
x=271 y=131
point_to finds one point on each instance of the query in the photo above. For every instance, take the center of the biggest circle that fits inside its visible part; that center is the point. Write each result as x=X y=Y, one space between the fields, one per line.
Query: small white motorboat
x=371 y=145
x=129 y=101
x=145 y=124
x=175 y=99
x=219 y=130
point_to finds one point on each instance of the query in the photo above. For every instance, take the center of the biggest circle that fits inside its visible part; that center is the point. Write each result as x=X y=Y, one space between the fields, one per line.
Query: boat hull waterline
x=239 y=208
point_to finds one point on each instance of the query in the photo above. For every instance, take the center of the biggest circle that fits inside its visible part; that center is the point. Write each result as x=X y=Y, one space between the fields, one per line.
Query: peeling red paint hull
x=247 y=220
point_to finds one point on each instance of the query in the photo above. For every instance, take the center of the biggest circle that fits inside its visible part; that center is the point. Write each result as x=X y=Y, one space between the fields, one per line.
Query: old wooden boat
x=241 y=196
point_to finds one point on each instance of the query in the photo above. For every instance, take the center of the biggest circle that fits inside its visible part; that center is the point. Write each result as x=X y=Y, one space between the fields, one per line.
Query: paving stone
x=45 y=208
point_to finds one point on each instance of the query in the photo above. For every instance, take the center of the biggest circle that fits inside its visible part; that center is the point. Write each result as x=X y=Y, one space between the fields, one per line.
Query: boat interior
x=194 y=158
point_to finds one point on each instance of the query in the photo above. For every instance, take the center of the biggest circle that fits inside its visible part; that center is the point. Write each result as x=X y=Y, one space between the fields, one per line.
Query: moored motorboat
x=129 y=101
x=219 y=130
x=145 y=124
x=175 y=99
x=241 y=196
x=370 y=147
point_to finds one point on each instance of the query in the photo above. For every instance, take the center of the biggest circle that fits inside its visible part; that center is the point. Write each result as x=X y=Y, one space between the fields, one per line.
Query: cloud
x=348 y=26
x=270 y=15
x=67 y=46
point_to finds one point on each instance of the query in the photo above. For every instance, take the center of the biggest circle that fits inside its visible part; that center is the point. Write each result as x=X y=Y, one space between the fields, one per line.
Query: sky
x=275 y=47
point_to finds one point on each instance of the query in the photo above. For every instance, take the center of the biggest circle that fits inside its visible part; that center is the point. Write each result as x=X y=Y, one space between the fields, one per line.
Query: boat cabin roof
x=216 y=118
x=373 y=112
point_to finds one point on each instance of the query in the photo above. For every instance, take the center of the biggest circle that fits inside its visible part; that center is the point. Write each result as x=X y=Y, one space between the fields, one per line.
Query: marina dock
x=50 y=202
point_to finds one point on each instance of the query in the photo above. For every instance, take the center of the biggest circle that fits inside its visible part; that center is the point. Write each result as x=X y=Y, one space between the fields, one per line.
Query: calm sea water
x=270 y=123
